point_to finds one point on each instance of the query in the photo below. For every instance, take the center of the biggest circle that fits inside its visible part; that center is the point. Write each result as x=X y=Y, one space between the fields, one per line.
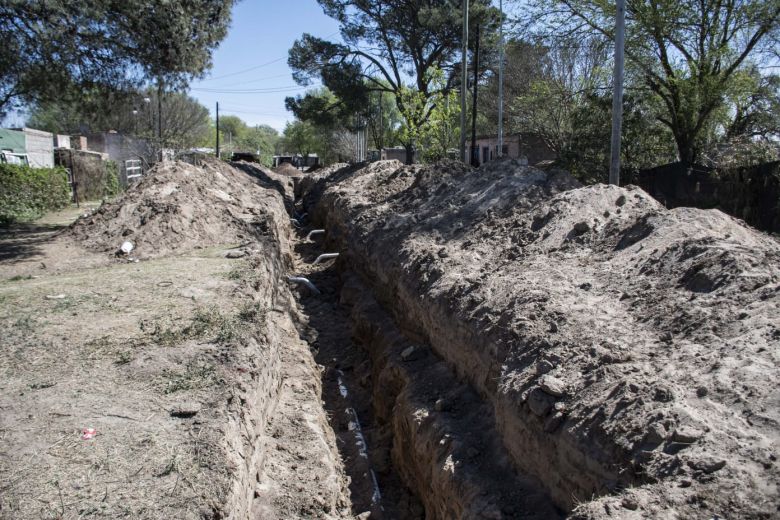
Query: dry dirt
x=628 y=354
x=496 y=344
x=184 y=357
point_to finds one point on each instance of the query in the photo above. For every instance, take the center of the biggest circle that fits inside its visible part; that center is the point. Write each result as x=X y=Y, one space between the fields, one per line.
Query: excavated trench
x=415 y=440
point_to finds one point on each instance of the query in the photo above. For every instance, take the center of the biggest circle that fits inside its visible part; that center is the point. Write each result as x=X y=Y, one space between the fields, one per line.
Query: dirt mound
x=287 y=169
x=629 y=351
x=178 y=207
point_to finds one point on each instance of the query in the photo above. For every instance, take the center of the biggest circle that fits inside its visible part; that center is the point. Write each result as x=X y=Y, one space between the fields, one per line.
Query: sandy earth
x=497 y=344
x=183 y=357
x=628 y=352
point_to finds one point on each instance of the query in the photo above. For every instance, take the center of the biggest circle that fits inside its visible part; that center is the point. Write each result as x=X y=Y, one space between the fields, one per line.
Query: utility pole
x=500 y=151
x=381 y=126
x=464 y=80
x=474 y=150
x=617 y=94
x=159 y=118
x=217 y=129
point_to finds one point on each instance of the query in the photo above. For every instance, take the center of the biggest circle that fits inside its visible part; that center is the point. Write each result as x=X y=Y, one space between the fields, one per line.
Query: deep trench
x=415 y=440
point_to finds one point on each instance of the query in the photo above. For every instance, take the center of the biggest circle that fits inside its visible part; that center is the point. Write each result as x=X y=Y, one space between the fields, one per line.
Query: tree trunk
x=686 y=149
x=409 y=147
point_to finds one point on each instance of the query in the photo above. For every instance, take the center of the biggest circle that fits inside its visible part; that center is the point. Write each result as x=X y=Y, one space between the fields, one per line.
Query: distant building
x=39 y=147
x=516 y=146
x=126 y=151
x=398 y=153
x=61 y=141
x=297 y=160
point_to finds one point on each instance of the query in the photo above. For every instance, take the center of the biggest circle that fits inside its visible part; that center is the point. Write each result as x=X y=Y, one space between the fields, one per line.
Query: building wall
x=12 y=140
x=517 y=146
x=39 y=147
x=61 y=141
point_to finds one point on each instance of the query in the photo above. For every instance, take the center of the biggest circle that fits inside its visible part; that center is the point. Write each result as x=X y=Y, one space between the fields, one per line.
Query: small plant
x=111 y=186
x=124 y=357
x=27 y=193
x=19 y=278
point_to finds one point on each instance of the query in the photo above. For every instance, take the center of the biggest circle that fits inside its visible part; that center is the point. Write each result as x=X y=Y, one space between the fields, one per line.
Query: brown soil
x=288 y=169
x=627 y=352
x=497 y=344
x=188 y=366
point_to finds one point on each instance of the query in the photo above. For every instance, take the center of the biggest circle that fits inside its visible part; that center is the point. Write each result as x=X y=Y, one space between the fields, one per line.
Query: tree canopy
x=687 y=53
x=48 y=46
x=388 y=46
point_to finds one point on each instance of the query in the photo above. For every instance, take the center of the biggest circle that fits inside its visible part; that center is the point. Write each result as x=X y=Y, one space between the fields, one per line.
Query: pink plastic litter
x=88 y=433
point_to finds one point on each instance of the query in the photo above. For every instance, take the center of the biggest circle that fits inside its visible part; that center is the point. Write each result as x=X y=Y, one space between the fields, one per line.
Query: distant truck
x=244 y=156
x=7 y=157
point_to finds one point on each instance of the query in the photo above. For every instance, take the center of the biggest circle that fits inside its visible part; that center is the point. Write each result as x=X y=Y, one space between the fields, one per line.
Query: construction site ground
x=499 y=344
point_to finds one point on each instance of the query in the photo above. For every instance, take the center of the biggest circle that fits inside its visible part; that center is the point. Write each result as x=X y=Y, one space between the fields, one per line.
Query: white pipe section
x=326 y=256
x=304 y=281
x=314 y=232
x=295 y=222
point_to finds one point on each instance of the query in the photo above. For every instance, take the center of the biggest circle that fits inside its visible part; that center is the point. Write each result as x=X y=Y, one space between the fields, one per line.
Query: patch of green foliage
x=111 y=180
x=27 y=193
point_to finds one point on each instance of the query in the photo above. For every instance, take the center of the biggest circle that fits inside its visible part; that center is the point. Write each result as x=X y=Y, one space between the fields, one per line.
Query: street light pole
x=464 y=80
x=500 y=151
x=617 y=94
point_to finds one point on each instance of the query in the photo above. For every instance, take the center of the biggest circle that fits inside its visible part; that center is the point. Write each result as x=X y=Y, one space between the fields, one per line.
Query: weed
x=19 y=278
x=197 y=375
x=124 y=357
x=236 y=273
x=25 y=323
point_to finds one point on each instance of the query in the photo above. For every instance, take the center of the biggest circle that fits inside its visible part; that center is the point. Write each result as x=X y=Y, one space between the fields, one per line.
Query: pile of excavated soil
x=629 y=352
x=179 y=207
x=287 y=169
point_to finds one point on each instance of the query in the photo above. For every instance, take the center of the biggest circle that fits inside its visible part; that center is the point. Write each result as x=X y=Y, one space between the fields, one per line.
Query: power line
x=271 y=90
x=255 y=67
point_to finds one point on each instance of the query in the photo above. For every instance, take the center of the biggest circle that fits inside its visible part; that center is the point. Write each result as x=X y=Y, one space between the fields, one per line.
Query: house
x=398 y=153
x=125 y=151
x=36 y=144
x=516 y=146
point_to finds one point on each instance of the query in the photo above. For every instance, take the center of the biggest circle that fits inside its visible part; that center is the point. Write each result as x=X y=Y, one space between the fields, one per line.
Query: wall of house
x=517 y=146
x=39 y=147
x=12 y=140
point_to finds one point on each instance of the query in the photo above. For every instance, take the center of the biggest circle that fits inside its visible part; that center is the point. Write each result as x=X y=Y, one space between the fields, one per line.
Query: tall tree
x=185 y=122
x=686 y=52
x=389 y=46
x=54 y=43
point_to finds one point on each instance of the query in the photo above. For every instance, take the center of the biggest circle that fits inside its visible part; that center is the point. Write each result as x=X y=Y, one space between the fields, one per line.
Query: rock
x=667 y=337
x=663 y=394
x=552 y=385
x=411 y=353
x=364 y=516
x=708 y=465
x=185 y=409
x=554 y=422
x=443 y=253
x=553 y=327
x=685 y=483
x=630 y=503
x=544 y=366
x=236 y=254
x=687 y=435
x=655 y=435
x=621 y=201
x=540 y=402
x=440 y=405
x=581 y=227
x=587 y=286
x=702 y=391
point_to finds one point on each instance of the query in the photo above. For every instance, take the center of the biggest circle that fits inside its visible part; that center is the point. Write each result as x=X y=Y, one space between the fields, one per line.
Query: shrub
x=27 y=193
x=111 y=180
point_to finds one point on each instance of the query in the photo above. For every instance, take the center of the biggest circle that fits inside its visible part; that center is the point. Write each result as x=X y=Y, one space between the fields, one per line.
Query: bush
x=111 y=186
x=27 y=193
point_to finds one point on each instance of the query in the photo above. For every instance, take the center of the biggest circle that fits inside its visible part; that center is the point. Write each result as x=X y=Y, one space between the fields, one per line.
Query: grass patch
x=19 y=278
x=197 y=375
x=206 y=323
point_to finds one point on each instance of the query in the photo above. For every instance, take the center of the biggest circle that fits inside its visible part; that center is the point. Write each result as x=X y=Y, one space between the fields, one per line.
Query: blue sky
x=261 y=33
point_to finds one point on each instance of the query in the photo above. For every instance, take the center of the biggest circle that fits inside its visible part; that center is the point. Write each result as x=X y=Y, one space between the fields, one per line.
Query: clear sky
x=253 y=58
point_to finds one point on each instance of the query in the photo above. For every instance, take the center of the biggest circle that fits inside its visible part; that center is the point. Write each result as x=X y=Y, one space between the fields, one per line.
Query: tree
x=300 y=137
x=389 y=46
x=87 y=43
x=686 y=52
x=185 y=122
